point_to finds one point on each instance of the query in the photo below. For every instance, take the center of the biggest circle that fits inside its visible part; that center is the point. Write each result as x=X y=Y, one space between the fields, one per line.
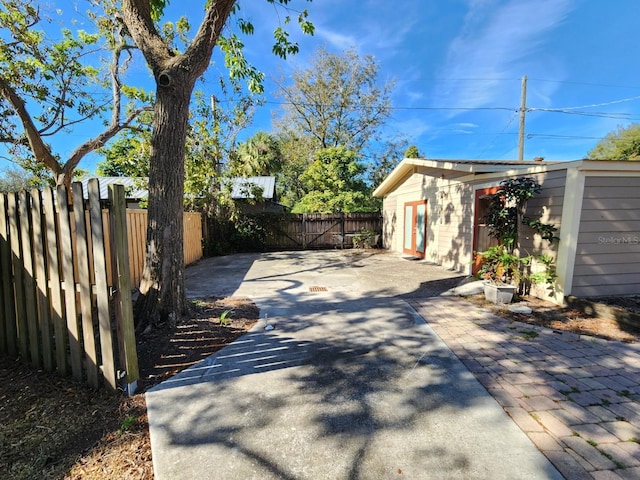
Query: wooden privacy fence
x=318 y=230
x=137 y=235
x=59 y=311
x=65 y=283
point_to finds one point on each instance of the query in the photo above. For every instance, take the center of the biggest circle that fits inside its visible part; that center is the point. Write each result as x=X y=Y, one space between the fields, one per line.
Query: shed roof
x=453 y=169
x=241 y=187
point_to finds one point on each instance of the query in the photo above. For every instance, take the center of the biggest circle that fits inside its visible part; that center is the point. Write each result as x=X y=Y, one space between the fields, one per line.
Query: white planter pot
x=499 y=293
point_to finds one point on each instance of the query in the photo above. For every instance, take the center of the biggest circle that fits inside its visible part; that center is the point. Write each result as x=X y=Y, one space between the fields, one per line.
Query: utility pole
x=523 y=110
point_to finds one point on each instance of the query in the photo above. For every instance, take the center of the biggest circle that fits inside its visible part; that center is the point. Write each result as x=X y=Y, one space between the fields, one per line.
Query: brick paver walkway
x=576 y=397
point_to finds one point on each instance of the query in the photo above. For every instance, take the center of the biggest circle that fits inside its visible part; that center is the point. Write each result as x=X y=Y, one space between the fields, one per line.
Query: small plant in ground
x=126 y=425
x=621 y=419
x=528 y=334
x=624 y=393
x=605 y=402
x=568 y=392
x=593 y=443
x=618 y=463
x=225 y=318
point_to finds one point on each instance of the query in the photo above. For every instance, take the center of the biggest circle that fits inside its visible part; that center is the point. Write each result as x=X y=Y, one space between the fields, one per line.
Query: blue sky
x=458 y=65
x=472 y=54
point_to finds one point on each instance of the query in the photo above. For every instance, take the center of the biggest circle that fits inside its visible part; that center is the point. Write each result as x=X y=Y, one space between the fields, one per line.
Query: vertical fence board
x=135 y=219
x=55 y=280
x=29 y=280
x=102 y=290
x=84 y=276
x=18 y=276
x=123 y=290
x=55 y=304
x=192 y=241
x=107 y=244
x=69 y=284
x=42 y=290
x=7 y=315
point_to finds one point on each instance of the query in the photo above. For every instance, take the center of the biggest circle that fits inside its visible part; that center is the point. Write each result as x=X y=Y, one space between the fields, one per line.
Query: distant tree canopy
x=16 y=179
x=621 y=144
x=259 y=155
x=334 y=184
x=412 y=152
x=337 y=101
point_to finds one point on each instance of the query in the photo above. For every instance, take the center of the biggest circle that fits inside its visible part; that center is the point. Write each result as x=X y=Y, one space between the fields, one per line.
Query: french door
x=415 y=228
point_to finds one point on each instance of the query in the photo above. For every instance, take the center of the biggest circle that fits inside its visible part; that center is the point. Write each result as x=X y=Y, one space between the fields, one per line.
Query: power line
x=612 y=102
x=549 y=135
x=585 y=83
x=495 y=139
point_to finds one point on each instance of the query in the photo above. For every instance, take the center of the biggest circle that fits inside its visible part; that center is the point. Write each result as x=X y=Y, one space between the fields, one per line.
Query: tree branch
x=137 y=17
x=98 y=142
x=40 y=149
x=198 y=54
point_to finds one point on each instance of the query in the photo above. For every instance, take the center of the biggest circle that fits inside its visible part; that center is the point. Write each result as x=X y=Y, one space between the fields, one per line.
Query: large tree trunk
x=162 y=295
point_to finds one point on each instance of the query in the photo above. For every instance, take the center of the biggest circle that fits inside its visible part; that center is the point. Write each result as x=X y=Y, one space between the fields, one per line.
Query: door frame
x=414 y=217
x=478 y=193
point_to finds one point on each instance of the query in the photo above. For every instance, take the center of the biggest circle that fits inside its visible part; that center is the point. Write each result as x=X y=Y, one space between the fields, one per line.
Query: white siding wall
x=546 y=207
x=608 y=248
x=451 y=211
x=455 y=226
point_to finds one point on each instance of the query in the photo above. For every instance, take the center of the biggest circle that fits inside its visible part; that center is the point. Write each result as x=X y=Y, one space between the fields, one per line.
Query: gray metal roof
x=241 y=187
x=131 y=185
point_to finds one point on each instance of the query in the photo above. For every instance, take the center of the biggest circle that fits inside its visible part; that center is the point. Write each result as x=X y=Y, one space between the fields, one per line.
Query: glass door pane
x=421 y=211
x=408 y=226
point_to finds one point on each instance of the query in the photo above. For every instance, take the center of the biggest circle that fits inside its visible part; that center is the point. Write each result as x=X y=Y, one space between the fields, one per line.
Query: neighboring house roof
x=241 y=187
x=131 y=185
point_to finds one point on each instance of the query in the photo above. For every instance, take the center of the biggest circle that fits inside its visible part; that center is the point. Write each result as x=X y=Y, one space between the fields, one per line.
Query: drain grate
x=318 y=289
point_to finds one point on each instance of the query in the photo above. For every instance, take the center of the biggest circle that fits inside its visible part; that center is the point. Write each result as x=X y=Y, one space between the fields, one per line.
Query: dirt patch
x=572 y=319
x=54 y=428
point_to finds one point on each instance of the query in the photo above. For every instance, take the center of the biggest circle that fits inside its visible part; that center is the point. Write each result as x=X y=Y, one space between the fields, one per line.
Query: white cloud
x=496 y=41
x=336 y=39
x=411 y=127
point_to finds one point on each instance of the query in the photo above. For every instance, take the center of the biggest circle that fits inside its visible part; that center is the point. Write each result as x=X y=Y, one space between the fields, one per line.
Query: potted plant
x=501 y=271
x=505 y=263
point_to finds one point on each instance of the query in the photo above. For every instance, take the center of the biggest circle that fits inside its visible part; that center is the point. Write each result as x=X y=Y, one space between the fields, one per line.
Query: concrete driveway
x=350 y=384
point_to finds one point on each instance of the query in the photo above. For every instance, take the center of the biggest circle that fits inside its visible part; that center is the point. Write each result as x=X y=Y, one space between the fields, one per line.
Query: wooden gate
x=319 y=230
x=66 y=303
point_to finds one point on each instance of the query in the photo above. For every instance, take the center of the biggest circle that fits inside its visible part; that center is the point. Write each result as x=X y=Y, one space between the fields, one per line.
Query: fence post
x=119 y=243
x=304 y=231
